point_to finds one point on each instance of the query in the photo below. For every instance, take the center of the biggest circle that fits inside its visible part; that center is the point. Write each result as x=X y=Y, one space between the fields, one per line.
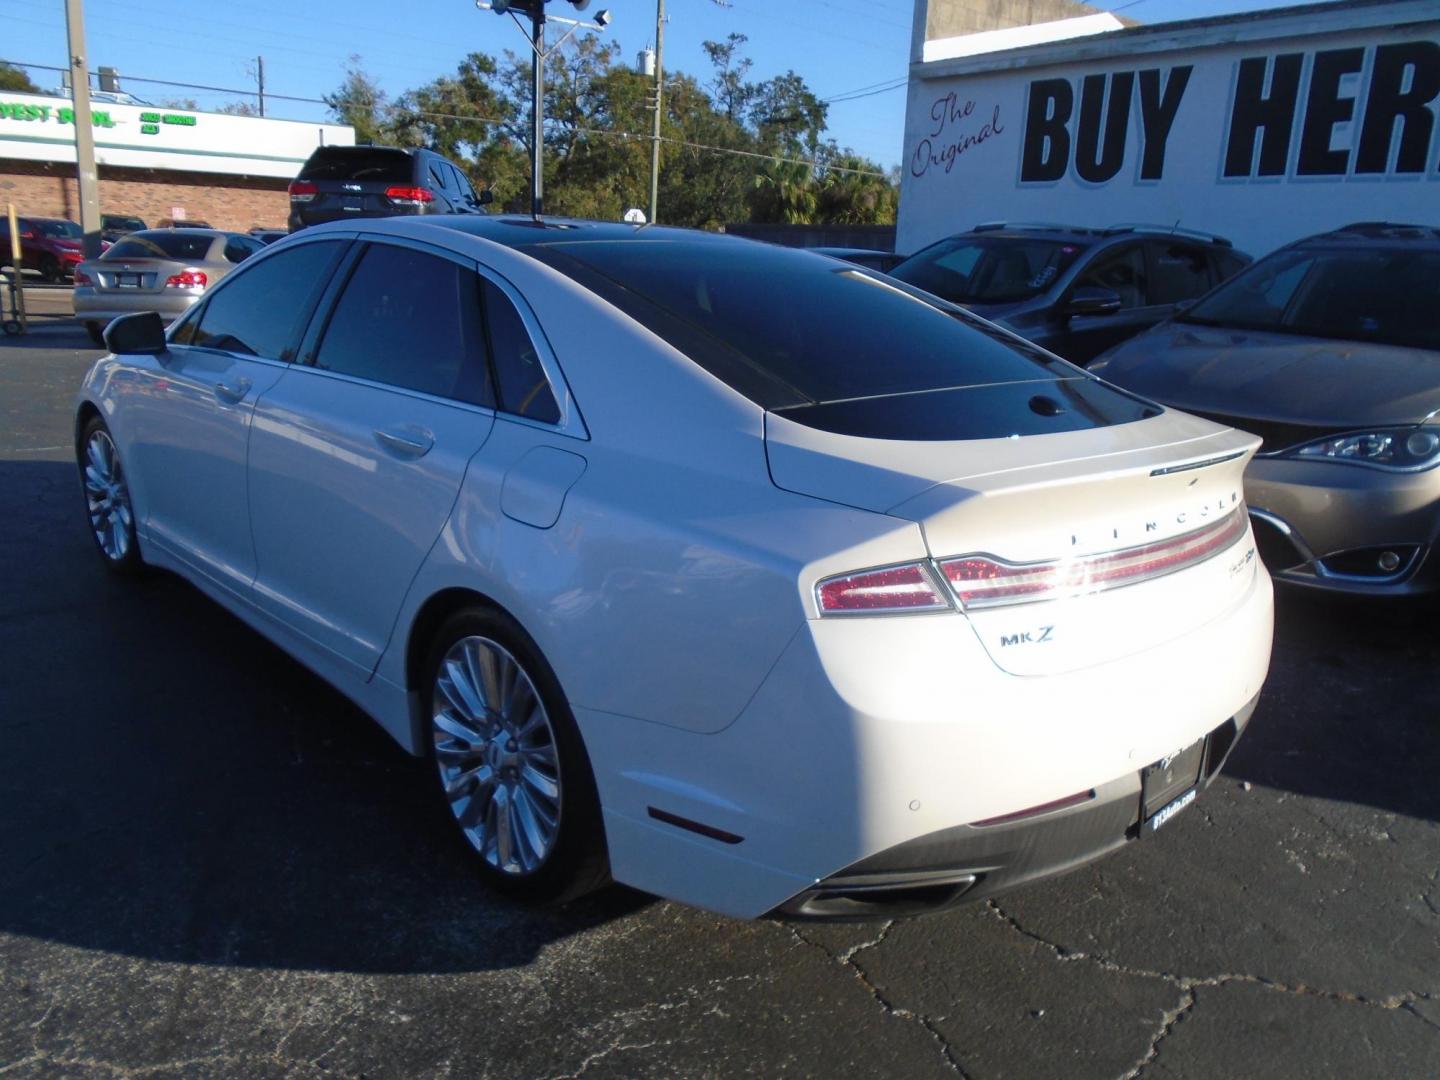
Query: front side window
x=261 y=312
x=988 y=270
x=524 y=389
x=1385 y=295
x=61 y=230
x=411 y=320
x=1123 y=270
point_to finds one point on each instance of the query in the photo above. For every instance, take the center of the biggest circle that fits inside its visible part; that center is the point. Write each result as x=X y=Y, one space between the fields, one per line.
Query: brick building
x=230 y=171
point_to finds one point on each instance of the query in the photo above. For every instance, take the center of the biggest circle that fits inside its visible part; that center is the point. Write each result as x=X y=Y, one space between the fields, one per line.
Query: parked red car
x=50 y=245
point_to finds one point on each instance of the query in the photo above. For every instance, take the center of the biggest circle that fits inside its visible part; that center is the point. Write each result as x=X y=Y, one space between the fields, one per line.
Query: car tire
x=510 y=765
x=51 y=270
x=108 y=508
x=96 y=332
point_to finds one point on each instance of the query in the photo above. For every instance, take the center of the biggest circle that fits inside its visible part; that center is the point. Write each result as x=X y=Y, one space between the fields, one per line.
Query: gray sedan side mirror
x=1093 y=300
x=141 y=333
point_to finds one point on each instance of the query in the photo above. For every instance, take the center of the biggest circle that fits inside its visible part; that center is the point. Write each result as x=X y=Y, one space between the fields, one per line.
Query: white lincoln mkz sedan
x=737 y=574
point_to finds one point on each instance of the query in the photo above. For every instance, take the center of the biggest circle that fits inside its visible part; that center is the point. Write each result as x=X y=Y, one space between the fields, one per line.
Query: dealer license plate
x=1168 y=786
x=127 y=281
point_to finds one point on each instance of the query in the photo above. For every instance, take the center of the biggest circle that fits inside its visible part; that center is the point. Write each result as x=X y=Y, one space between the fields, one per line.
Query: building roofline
x=1287 y=23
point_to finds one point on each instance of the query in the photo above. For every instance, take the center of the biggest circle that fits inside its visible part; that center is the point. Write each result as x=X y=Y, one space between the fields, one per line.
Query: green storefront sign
x=64 y=114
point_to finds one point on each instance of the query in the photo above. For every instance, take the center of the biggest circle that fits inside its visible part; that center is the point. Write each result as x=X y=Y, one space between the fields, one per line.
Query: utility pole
x=659 y=106
x=537 y=111
x=260 y=81
x=87 y=177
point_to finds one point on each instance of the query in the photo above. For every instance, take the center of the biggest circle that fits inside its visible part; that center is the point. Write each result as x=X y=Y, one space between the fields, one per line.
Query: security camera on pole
x=535 y=10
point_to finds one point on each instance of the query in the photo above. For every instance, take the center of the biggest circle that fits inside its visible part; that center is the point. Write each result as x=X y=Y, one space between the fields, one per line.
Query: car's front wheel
x=511 y=766
x=107 y=499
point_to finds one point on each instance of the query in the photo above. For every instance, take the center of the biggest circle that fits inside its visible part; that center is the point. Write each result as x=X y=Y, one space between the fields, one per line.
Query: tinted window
x=1177 y=272
x=440 y=177
x=161 y=245
x=524 y=389
x=238 y=249
x=61 y=230
x=785 y=327
x=1121 y=269
x=988 y=270
x=412 y=320
x=1384 y=295
x=462 y=185
x=260 y=312
x=114 y=221
x=359 y=163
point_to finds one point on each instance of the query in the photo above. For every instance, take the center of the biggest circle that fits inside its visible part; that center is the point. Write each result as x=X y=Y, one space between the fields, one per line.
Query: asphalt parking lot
x=211 y=865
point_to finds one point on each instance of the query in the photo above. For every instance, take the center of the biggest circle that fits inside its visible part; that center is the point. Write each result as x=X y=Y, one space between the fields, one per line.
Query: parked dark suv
x=341 y=182
x=1075 y=291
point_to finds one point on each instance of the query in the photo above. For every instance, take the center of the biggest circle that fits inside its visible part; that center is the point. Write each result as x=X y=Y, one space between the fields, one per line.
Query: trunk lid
x=1063 y=497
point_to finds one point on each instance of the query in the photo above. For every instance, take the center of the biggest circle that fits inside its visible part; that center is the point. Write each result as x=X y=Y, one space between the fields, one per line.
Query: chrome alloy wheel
x=107 y=497
x=496 y=753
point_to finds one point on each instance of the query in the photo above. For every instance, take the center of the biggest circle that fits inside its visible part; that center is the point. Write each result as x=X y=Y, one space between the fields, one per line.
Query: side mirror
x=141 y=333
x=486 y=197
x=1093 y=300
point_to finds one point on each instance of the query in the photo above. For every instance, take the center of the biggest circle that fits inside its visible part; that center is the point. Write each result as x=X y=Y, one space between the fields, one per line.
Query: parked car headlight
x=1406 y=449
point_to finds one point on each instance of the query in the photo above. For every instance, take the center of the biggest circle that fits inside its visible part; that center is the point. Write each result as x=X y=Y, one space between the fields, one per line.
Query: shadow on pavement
x=1351 y=711
x=179 y=790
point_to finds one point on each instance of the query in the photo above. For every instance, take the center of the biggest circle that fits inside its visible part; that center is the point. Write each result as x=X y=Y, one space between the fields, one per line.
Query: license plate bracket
x=1168 y=779
x=127 y=281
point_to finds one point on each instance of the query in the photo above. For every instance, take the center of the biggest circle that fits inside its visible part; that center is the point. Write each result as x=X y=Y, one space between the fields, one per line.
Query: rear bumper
x=1328 y=526
x=968 y=863
x=93 y=306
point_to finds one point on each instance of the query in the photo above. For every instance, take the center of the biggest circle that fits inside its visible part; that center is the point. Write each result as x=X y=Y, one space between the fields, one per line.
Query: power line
x=497 y=122
x=840 y=99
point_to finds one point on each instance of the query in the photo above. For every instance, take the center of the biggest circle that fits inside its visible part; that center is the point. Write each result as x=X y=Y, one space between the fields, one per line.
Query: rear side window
x=1177 y=272
x=161 y=245
x=410 y=320
x=260 y=312
x=238 y=249
x=524 y=389
x=1123 y=270
x=359 y=163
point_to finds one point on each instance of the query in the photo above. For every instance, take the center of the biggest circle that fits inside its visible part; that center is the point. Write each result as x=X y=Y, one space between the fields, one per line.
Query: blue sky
x=838 y=46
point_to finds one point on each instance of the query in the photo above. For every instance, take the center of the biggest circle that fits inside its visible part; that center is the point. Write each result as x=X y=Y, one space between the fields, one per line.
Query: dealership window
x=1121 y=269
x=1177 y=272
x=410 y=320
x=261 y=312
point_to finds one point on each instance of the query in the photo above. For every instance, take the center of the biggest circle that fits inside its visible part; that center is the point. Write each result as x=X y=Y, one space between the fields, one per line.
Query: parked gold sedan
x=161 y=270
x=1329 y=349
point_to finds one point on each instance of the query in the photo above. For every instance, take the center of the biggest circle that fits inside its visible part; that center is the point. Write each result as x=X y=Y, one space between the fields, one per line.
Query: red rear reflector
x=82 y=278
x=302 y=191
x=981 y=581
x=895 y=588
x=187 y=279
x=412 y=195
x=1044 y=808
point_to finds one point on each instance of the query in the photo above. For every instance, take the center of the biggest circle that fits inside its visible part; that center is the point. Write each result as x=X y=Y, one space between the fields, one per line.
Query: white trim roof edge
x=1307 y=20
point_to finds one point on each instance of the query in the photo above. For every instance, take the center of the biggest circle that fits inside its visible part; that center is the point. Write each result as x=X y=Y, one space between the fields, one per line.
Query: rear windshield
x=160 y=245
x=134 y=224
x=785 y=327
x=988 y=270
x=1384 y=295
x=359 y=163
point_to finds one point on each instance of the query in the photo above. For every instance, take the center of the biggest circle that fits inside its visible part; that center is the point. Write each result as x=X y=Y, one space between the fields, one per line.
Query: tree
x=239 y=108
x=177 y=103
x=786 y=192
x=854 y=191
x=361 y=103
x=732 y=94
x=16 y=79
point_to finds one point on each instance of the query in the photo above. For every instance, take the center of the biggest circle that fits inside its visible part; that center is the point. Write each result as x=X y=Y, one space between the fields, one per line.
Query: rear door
x=359 y=452
x=190 y=427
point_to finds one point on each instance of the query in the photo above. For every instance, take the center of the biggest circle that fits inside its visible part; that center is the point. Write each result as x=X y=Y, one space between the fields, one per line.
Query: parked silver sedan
x=161 y=270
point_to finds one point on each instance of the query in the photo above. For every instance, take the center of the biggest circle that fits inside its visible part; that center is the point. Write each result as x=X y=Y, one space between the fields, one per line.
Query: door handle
x=232 y=393
x=413 y=443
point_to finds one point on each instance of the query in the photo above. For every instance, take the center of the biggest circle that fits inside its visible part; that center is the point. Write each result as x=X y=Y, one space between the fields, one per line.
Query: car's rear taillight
x=982 y=581
x=82 y=278
x=302 y=191
x=409 y=196
x=187 y=279
x=875 y=592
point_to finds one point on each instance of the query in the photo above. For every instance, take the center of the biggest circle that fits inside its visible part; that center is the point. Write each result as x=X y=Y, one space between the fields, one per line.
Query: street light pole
x=86 y=176
x=537 y=111
x=659 y=106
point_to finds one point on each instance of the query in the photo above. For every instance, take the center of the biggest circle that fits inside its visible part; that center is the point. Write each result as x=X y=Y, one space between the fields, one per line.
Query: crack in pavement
x=1187 y=985
x=847 y=958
